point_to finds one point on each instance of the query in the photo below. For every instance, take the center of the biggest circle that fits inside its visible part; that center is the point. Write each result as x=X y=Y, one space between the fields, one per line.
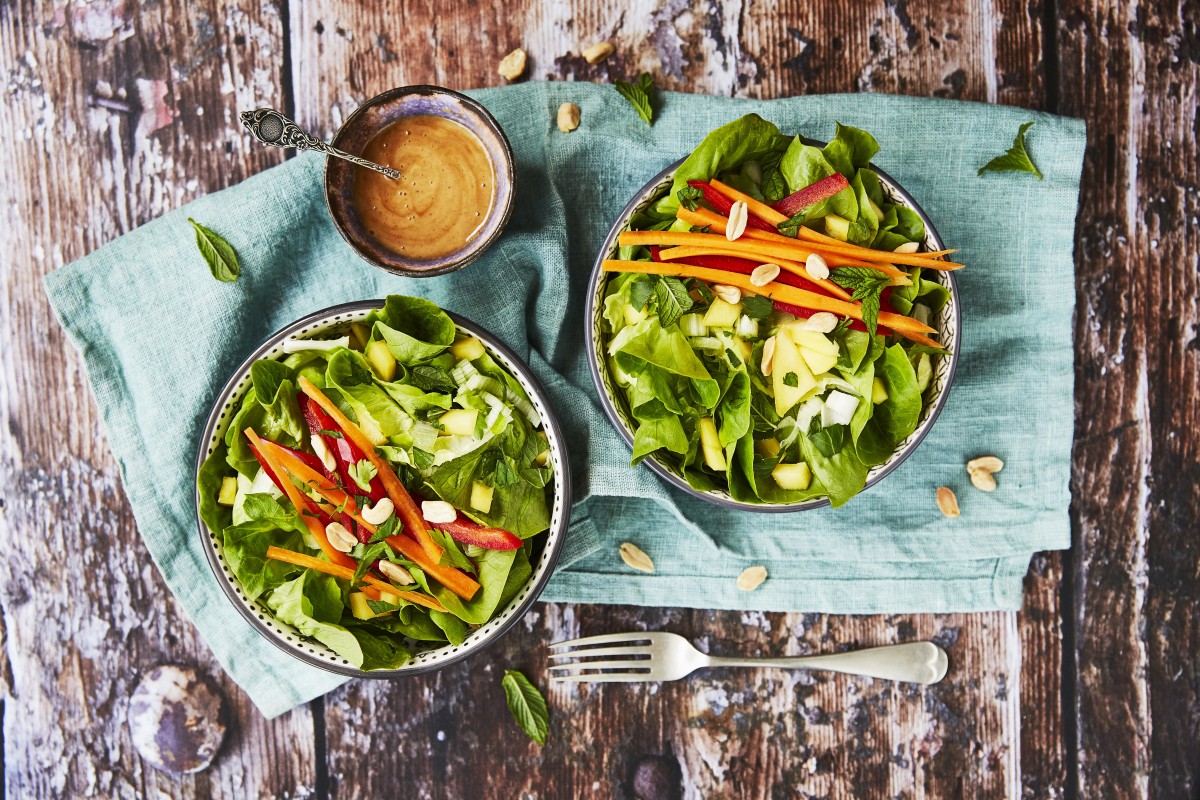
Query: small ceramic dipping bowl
x=375 y=115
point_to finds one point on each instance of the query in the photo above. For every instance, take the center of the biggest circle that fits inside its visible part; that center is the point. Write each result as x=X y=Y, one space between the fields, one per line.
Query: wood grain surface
x=117 y=112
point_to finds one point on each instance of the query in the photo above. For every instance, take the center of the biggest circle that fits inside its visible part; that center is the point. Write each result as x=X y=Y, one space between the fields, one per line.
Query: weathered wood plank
x=1132 y=72
x=113 y=115
x=993 y=729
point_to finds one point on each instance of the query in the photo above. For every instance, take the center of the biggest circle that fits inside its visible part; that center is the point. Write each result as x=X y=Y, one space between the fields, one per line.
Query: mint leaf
x=421 y=458
x=791 y=379
x=756 y=306
x=390 y=527
x=672 y=300
x=867 y=284
x=380 y=607
x=368 y=554
x=218 y=254
x=429 y=378
x=527 y=705
x=639 y=293
x=362 y=473
x=329 y=433
x=638 y=95
x=1016 y=159
x=689 y=197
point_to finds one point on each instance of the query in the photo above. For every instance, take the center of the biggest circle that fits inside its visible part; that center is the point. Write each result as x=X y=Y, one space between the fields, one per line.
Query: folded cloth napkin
x=159 y=337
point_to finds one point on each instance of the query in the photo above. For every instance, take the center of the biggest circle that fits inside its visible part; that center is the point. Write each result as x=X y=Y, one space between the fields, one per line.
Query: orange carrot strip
x=374 y=585
x=760 y=210
x=453 y=579
x=775 y=291
x=301 y=503
x=406 y=509
x=919 y=339
x=794 y=246
x=899 y=277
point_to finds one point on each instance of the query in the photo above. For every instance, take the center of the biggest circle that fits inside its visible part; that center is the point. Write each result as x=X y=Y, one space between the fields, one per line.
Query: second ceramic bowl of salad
x=616 y=390
x=451 y=415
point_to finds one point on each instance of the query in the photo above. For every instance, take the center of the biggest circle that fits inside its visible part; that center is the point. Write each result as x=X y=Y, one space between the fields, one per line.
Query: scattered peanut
x=634 y=557
x=907 y=247
x=395 y=573
x=982 y=472
x=342 y=540
x=739 y=215
x=512 y=66
x=598 y=52
x=318 y=446
x=821 y=322
x=764 y=274
x=751 y=578
x=816 y=267
x=730 y=294
x=378 y=513
x=568 y=117
x=768 y=356
x=947 y=503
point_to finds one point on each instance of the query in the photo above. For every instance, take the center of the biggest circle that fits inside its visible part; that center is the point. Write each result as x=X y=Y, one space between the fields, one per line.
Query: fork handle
x=914 y=662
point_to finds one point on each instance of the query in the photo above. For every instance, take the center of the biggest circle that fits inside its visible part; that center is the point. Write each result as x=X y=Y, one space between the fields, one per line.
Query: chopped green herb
x=672 y=300
x=867 y=284
x=330 y=434
x=638 y=95
x=689 y=196
x=1016 y=159
x=527 y=705
x=791 y=379
x=362 y=473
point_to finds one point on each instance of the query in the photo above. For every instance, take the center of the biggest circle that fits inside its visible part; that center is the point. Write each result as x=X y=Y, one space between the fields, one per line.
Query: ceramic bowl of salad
x=382 y=488
x=773 y=322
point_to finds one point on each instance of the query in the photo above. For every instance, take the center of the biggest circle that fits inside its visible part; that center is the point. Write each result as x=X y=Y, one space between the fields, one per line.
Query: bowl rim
x=723 y=499
x=553 y=547
x=508 y=168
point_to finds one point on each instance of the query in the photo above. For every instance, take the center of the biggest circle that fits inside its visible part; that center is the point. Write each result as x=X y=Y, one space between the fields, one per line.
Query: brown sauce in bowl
x=444 y=194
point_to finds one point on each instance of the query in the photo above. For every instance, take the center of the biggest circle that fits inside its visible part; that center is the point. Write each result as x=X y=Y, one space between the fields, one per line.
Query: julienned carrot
x=899 y=277
x=453 y=579
x=301 y=503
x=406 y=509
x=760 y=210
x=372 y=589
x=717 y=222
x=919 y=339
x=786 y=294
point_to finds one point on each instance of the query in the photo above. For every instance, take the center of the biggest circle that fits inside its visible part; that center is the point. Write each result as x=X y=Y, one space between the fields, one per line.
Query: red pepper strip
x=823 y=189
x=345 y=452
x=468 y=531
x=745 y=266
x=722 y=204
x=312 y=462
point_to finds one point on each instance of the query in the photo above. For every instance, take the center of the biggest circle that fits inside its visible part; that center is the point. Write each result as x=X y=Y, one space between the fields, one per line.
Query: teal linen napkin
x=159 y=337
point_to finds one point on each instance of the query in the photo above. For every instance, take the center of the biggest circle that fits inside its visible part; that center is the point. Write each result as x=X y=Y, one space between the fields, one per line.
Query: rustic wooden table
x=116 y=113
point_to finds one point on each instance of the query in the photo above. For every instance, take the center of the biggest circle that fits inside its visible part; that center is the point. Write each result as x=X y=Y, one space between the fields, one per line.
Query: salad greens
x=740 y=389
x=220 y=256
x=382 y=492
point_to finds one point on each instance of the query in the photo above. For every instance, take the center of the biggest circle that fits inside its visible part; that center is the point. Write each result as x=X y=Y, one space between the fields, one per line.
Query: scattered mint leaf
x=689 y=196
x=380 y=607
x=390 y=527
x=330 y=434
x=867 y=284
x=368 y=554
x=733 y=358
x=672 y=300
x=527 y=705
x=639 y=293
x=421 y=458
x=218 y=254
x=842 y=326
x=1016 y=159
x=791 y=379
x=756 y=306
x=429 y=378
x=362 y=473
x=638 y=95
x=702 y=229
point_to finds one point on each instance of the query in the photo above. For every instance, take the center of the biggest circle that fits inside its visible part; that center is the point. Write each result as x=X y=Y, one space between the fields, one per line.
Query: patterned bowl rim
x=311 y=652
x=950 y=327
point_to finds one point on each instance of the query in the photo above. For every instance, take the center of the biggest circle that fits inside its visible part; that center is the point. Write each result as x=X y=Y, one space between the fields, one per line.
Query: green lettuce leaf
x=312 y=603
x=415 y=329
x=374 y=409
x=893 y=420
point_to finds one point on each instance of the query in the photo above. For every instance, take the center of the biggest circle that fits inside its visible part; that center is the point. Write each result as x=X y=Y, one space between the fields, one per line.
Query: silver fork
x=658 y=656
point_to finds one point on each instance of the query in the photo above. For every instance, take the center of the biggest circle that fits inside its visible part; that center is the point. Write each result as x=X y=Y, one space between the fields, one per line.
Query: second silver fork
x=661 y=656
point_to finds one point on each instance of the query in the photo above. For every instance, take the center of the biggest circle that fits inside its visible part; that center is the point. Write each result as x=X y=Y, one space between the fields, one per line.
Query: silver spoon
x=274 y=129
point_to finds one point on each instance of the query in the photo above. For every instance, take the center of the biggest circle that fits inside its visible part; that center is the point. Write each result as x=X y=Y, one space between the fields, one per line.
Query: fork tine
x=607 y=677
x=607 y=638
x=603 y=651
x=644 y=664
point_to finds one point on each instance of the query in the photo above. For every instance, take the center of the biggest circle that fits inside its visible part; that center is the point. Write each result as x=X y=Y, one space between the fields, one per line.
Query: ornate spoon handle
x=274 y=129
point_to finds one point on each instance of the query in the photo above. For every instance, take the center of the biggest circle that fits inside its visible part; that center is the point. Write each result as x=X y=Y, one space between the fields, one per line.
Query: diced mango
x=360 y=334
x=382 y=360
x=359 y=608
x=878 y=392
x=819 y=363
x=768 y=448
x=459 y=421
x=467 y=349
x=790 y=376
x=837 y=227
x=710 y=443
x=481 y=496
x=792 y=477
x=813 y=340
x=228 y=491
x=721 y=314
